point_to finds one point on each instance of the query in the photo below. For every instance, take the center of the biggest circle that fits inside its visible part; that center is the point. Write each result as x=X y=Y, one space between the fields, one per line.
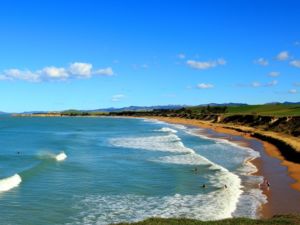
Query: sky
x=90 y=54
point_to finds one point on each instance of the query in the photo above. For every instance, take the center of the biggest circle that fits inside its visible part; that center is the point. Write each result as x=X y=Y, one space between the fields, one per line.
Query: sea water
x=77 y=170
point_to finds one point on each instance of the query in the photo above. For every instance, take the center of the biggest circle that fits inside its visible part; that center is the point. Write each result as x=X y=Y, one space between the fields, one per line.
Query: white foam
x=164 y=143
x=179 y=126
x=249 y=202
x=10 y=182
x=100 y=209
x=61 y=156
x=50 y=155
x=153 y=121
x=226 y=200
x=168 y=130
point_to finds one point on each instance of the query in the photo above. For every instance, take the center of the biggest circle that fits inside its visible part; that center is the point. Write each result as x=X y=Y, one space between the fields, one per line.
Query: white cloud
x=293 y=91
x=256 y=84
x=205 y=86
x=274 y=74
x=81 y=69
x=54 y=72
x=106 y=71
x=117 y=98
x=282 y=56
x=75 y=70
x=203 y=65
x=297 y=84
x=295 y=63
x=181 y=56
x=16 y=74
x=261 y=61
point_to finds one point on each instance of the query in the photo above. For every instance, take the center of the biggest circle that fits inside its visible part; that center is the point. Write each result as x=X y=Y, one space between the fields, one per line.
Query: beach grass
x=276 y=220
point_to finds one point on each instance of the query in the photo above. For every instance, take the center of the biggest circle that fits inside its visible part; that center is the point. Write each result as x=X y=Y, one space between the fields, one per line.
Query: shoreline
x=271 y=148
x=284 y=177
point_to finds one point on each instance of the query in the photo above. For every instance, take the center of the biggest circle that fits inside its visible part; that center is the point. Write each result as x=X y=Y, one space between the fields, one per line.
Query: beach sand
x=284 y=177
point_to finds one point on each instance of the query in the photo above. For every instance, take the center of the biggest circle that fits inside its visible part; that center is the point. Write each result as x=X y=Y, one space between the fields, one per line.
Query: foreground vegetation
x=276 y=220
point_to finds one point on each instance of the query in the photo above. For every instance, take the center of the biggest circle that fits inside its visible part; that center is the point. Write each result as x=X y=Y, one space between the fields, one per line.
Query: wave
x=10 y=182
x=61 y=156
x=224 y=200
x=248 y=168
x=168 y=130
x=165 y=143
x=50 y=155
x=102 y=209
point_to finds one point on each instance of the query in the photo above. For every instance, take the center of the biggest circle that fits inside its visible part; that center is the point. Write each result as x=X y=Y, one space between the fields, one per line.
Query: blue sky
x=91 y=54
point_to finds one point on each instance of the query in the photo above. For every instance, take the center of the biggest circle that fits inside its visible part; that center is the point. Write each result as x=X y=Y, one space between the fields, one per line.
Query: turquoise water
x=119 y=170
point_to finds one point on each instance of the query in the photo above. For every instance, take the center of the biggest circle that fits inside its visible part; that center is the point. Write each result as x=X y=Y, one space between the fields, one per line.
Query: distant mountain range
x=137 y=108
x=149 y=108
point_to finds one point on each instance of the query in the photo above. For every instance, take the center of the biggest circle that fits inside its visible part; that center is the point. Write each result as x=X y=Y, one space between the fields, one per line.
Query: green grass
x=263 y=110
x=277 y=220
x=266 y=110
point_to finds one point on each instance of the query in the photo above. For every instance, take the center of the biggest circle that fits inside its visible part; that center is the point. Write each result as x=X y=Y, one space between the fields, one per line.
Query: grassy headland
x=276 y=220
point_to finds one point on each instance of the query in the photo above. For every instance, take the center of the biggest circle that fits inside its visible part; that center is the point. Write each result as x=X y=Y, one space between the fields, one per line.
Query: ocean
x=79 y=170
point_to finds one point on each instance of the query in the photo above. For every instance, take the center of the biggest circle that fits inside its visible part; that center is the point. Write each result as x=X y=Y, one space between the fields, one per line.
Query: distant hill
x=225 y=104
x=137 y=108
x=267 y=108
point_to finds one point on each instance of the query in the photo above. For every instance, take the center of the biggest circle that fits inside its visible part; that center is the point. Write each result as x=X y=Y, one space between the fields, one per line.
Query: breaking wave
x=10 y=182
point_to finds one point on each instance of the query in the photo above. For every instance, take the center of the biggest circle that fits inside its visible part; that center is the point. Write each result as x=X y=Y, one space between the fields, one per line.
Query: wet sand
x=284 y=193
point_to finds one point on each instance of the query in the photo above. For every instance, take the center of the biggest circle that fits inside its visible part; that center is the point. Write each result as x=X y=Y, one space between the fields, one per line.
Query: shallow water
x=119 y=170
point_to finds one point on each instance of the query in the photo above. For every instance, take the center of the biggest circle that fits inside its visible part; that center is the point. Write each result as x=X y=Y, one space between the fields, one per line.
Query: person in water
x=203 y=186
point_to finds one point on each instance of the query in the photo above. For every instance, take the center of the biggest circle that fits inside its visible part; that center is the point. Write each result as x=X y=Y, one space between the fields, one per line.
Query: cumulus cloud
x=297 y=84
x=293 y=91
x=74 y=70
x=16 y=74
x=54 y=72
x=295 y=63
x=203 y=65
x=262 y=62
x=81 y=69
x=274 y=74
x=205 y=86
x=282 y=56
x=117 y=98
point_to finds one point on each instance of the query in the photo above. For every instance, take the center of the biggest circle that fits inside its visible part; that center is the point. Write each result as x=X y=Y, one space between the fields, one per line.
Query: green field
x=263 y=110
x=266 y=110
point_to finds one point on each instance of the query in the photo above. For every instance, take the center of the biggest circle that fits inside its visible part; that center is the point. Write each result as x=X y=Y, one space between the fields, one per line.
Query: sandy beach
x=284 y=176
